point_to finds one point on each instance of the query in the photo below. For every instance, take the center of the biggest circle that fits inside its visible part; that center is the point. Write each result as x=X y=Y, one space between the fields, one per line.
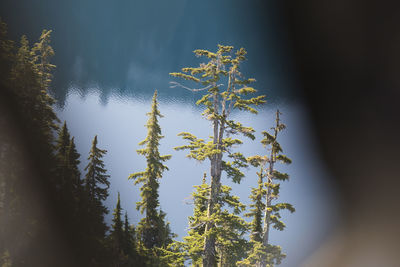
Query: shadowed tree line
x=52 y=214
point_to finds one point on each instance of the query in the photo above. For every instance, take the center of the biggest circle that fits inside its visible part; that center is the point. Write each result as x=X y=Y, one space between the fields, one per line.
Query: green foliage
x=262 y=253
x=121 y=240
x=256 y=209
x=117 y=233
x=229 y=231
x=96 y=179
x=96 y=186
x=41 y=54
x=152 y=230
x=221 y=67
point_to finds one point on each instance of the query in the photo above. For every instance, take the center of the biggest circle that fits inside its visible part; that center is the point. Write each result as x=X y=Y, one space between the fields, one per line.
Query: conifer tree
x=194 y=241
x=152 y=228
x=96 y=179
x=73 y=169
x=63 y=141
x=62 y=147
x=42 y=52
x=35 y=102
x=129 y=238
x=96 y=189
x=117 y=233
x=219 y=101
x=118 y=257
x=7 y=56
x=263 y=253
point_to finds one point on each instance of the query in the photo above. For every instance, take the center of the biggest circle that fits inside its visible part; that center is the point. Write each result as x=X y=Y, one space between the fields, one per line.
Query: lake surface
x=119 y=124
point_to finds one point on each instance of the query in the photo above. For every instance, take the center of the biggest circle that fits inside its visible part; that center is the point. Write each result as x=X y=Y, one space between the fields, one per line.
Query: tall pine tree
x=116 y=237
x=96 y=189
x=263 y=253
x=152 y=228
x=221 y=68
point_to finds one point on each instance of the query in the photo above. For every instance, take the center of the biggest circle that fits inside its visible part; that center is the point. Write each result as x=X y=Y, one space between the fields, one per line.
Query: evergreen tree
x=42 y=52
x=96 y=189
x=62 y=147
x=117 y=232
x=96 y=179
x=34 y=99
x=7 y=57
x=129 y=239
x=117 y=237
x=73 y=169
x=263 y=253
x=219 y=102
x=63 y=141
x=152 y=228
x=194 y=241
x=231 y=245
x=27 y=103
x=257 y=250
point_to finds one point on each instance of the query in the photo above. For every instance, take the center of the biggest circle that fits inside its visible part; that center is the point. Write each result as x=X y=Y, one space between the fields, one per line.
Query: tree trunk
x=209 y=259
x=265 y=236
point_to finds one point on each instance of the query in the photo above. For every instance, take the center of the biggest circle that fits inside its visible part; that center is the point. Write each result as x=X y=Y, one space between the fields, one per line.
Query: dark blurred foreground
x=349 y=66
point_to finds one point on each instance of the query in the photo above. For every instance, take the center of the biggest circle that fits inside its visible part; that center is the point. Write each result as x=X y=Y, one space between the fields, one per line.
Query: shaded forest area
x=51 y=214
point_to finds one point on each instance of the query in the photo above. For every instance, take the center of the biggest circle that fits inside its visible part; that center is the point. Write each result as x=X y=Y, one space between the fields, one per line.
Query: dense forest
x=52 y=212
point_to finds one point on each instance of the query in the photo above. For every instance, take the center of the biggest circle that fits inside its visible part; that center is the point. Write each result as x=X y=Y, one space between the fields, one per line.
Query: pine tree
x=231 y=245
x=42 y=52
x=34 y=100
x=73 y=169
x=7 y=57
x=263 y=253
x=152 y=227
x=96 y=179
x=117 y=238
x=219 y=102
x=62 y=146
x=257 y=250
x=96 y=190
x=129 y=238
x=117 y=233
x=194 y=241
x=63 y=141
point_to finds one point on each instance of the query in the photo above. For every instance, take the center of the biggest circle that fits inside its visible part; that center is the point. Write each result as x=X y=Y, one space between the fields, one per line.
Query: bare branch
x=176 y=84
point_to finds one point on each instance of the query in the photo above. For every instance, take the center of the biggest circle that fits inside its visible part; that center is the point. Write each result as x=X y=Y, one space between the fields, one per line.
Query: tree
x=96 y=190
x=26 y=104
x=219 y=102
x=42 y=52
x=152 y=227
x=118 y=257
x=263 y=253
x=73 y=169
x=62 y=147
x=257 y=250
x=231 y=246
x=117 y=233
x=96 y=179
x=129 y=241
x=194 y=241
x=63 y=141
